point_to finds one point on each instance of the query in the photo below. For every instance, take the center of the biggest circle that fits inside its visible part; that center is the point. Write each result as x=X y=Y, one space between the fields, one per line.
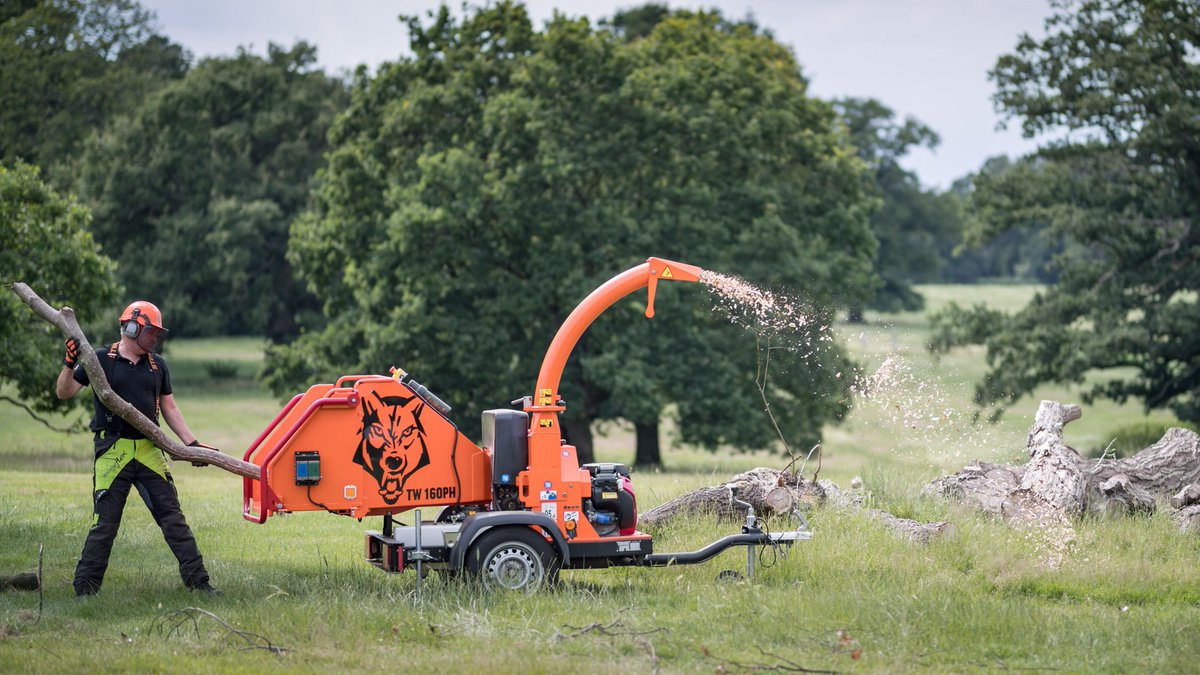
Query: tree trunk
x=1058 y=478
x=578 y=433
x=648 y=454
x=64 y=320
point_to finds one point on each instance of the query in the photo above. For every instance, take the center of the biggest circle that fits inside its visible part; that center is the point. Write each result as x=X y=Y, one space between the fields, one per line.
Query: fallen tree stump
x=1057 y=480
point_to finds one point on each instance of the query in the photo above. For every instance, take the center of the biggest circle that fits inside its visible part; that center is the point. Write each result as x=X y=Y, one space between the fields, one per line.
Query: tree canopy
x=912 y=224
x=67 y=67
x=44 y=242
x=477 y=191
x=1120 y=185
x=193 y=193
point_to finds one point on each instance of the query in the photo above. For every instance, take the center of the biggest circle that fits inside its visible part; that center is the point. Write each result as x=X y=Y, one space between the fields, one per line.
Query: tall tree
x=44 y=242
x=480 y=189
x=194 y=193
x=1121 y=187
x=66 y=67
x=911 y=223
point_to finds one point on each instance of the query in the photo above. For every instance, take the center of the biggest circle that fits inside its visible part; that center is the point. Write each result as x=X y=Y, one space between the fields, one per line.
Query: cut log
x=64 y=320
x=25 y=581
x=770 y=491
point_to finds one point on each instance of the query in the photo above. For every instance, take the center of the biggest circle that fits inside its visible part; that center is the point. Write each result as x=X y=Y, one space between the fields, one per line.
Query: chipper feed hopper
x=512 y=512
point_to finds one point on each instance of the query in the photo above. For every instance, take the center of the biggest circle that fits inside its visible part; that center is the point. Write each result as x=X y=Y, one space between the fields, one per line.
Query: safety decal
x=548 y=495
x=626 y=546
x=666 y=274
x=545 y=422
x=570 y=516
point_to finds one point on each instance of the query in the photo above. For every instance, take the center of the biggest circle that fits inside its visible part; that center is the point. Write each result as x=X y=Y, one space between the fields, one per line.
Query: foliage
x=194 y=193
x=67 y=67
x=1122 y=191
x=1024 y=253
x=480 y=189
x=913 y=225
x=45 y=243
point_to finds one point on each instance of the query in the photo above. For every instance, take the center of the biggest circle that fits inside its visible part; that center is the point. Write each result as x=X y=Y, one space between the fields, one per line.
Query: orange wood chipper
x=512 y=512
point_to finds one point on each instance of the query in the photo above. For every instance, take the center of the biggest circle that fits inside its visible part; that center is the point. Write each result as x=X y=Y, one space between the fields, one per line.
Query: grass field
x=854 y=599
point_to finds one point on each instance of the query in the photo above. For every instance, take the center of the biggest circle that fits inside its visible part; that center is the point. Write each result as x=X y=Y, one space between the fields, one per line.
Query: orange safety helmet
x=138 y=315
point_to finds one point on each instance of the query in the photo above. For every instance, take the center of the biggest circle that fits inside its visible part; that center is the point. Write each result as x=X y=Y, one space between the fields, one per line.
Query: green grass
x=853 y=599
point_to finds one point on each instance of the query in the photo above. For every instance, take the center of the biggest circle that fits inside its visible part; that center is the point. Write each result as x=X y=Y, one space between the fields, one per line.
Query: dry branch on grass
x=174 y=622
x=617 y=629
x=1058 y=483
x=65 y=321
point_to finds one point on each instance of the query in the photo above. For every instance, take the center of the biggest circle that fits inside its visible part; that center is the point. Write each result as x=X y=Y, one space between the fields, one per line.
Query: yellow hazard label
x=608 y=495
x=546 y=423
x=547 y=392
x=666 y=274
x=545 y=400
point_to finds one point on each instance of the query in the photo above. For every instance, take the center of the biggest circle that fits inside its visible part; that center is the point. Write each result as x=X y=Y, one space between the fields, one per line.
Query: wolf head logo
x=393 y=442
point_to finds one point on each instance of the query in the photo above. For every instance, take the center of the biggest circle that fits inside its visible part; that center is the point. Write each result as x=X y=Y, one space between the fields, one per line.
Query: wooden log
x=25 y=581
x=1189 y=495
x=1057 y=478
x=65 y=321
x=770 y=491
x=915 y=530
x=981 y=484
x=1163 y=469
x=1052 y=475
x=1188 y=518
x=1120 y=496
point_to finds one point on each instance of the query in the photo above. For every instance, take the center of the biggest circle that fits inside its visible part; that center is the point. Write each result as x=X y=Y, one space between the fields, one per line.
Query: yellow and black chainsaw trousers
x=126 y=464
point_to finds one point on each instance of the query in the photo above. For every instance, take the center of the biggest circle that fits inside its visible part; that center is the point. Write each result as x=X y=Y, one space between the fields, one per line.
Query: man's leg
x=111 y=483
x=158 y=491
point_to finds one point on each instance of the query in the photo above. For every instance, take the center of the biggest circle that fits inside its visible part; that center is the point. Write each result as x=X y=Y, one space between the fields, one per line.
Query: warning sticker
x=570 y=516
x=548 y=495
x=666 y=274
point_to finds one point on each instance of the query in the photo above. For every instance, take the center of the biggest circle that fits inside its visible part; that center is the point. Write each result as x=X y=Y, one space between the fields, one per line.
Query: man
x=124 y=457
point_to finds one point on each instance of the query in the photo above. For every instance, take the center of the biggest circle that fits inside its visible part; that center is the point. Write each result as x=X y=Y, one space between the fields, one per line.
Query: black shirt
x=134 y=382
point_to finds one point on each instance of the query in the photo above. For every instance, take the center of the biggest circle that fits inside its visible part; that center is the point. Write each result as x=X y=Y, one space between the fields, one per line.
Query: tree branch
x=64 y=320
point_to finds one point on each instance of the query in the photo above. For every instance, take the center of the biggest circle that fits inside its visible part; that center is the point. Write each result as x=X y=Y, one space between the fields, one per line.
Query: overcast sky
x=924 y=58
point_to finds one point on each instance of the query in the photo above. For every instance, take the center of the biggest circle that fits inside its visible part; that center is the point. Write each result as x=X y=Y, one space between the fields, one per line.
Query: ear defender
x=131 y=328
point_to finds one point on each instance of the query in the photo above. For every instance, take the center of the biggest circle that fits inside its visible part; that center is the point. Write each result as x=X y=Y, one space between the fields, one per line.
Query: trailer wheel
x=513 y=559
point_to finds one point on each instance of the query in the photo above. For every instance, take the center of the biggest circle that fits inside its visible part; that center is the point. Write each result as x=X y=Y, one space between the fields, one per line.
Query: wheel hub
x=514 y=567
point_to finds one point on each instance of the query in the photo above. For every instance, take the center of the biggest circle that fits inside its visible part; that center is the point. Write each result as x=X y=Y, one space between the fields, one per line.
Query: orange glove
x=72 y=356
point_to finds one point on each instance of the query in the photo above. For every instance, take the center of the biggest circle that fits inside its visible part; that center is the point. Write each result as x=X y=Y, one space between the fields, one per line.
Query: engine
x=612 y=508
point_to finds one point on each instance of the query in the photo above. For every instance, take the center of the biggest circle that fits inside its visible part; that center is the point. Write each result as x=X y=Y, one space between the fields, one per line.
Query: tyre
x=513 y=559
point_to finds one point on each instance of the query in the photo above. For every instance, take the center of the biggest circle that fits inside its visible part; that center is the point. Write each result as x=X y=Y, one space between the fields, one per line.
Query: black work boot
x=205 y=587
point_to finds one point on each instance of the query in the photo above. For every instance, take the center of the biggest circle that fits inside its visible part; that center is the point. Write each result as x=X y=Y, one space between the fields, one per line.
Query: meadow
x=854 y=599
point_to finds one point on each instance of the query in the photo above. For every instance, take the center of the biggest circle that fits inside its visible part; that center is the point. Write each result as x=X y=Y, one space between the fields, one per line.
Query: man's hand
x=72 y=356
x=198 y=444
